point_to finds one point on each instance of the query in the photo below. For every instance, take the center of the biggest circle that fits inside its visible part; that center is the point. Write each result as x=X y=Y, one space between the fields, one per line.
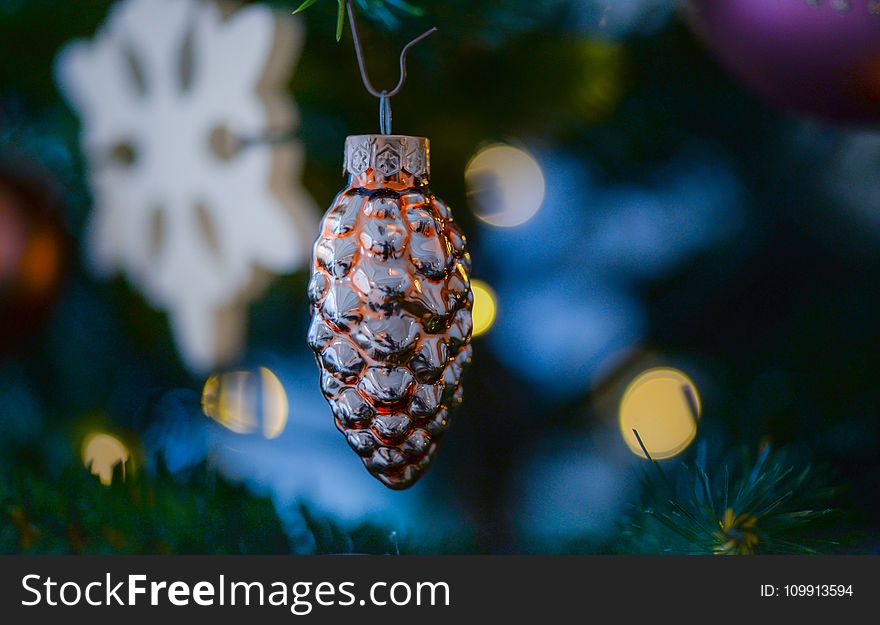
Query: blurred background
x=673 y=210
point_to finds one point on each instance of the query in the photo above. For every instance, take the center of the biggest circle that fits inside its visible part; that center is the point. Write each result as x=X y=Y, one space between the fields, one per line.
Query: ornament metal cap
x=387 y=155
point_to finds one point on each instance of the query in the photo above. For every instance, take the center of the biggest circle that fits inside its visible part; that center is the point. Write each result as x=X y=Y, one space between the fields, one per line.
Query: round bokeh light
x=506 y=185
x=663 y=406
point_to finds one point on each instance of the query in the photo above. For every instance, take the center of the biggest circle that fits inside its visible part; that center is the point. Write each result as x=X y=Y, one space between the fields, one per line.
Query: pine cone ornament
x=391 y=308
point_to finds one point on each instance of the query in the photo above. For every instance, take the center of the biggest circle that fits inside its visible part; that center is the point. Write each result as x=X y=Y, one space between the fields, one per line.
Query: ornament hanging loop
x=384 y=113
x=384 y=95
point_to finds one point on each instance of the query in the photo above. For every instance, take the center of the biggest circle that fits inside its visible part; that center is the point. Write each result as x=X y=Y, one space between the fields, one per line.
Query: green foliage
x=741 y=506
x=330 y=538
x=305 y=5
x=382 y=11
x=71 y=512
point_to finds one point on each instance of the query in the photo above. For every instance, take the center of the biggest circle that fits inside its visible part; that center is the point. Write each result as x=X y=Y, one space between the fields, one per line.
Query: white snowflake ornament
x=170 y=92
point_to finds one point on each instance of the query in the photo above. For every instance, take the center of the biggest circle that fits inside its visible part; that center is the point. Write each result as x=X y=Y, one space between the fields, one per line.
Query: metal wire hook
x=384 y=113
x=384 y=96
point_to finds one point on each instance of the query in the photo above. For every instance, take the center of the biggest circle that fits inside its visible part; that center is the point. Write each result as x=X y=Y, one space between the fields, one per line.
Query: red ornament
x=820 y=57
x=32 y=251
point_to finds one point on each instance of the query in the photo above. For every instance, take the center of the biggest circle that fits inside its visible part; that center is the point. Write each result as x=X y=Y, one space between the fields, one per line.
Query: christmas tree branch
x=379 y=10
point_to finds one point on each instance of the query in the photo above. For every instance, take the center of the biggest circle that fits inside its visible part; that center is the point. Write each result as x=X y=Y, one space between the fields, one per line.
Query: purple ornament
x=820 y=57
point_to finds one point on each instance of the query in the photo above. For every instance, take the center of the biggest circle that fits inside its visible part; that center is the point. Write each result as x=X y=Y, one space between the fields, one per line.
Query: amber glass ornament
x=391 y=308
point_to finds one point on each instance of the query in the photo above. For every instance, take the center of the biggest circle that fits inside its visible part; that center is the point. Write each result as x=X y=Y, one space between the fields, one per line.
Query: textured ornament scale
x=391 y=308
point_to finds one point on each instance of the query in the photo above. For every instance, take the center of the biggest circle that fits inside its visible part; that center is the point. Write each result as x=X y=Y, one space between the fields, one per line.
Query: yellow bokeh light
x=101 y=453
x=247 y=401
x=663 y=405
x=506 y=185
x=483 y=312
x=602 y=67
